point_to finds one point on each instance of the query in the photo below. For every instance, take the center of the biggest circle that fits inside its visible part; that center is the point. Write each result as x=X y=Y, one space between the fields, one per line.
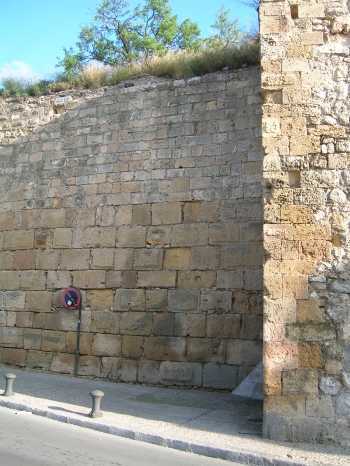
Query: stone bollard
x=96 y=396
x=10 y=380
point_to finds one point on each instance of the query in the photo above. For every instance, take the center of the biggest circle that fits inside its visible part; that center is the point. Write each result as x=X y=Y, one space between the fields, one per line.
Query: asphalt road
x=27 y=440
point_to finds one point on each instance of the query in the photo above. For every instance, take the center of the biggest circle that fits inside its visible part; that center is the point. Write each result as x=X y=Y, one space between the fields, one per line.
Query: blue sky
x=33 y=32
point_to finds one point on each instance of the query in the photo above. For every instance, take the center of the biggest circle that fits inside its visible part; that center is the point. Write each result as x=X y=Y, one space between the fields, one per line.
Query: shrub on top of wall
x=173 y=65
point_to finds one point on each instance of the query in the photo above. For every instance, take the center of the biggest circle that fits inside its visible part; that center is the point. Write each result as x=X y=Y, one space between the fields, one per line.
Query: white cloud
x=18 y=70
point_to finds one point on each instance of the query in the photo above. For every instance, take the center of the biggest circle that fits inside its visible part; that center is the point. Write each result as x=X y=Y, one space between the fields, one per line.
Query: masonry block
x=220 y=376
x=75 y=259
x=155 y=279
x=175 y=373
x=136 y=323
x=89 y=366
x=165 y=348
x=102 y=258
x=19 y=239
x=39 y=360
x=106 y=345
x=99 y=300
x=178 y=259
x=63 y=363
x=148 y=259
x=141 y=218
x=89 y=279
x=168 y=213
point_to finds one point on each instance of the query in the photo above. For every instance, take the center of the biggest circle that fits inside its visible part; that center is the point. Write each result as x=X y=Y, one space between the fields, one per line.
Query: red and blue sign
x=71 y=298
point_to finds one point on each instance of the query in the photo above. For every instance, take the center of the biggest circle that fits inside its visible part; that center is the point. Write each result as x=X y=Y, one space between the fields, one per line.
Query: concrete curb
x=242 y=457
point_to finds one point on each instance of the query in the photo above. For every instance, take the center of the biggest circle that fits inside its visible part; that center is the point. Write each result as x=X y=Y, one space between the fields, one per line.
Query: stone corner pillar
x=305 y=59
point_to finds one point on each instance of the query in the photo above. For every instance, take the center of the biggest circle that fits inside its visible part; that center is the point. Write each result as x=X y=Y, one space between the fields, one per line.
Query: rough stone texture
x=305 y=48
x=147 y=196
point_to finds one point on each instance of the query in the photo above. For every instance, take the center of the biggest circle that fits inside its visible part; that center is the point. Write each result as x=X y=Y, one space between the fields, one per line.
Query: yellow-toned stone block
x=295 y=285
x=292 y=405
x=295 y=65
x=310 y=355
x=304 y=145
x=272 y=381
x=273 y=24
x=292 y=96
x=304 y=267
x=312 y=38
x=276 y=145
x=294 y=126
x=296 y=214
x=272 y=125
x=273 y=285
x=310 y=311
x=271 y=66
x=299 y=51
x=311 y=9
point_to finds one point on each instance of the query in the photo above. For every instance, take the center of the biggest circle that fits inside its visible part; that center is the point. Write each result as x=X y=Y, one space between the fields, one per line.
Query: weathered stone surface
x=154 y=279
x=148 y=259
x=139 y=215
x=89 y=279
x=197 y=279
x=136 y=323
x=58 y=279
x=168 y=213
x=62 y=238
x=103 y=322
x=306 y=242
x=13 y=357
x=219 y=376
x=175 y=373
x=75 y=259
x=32 y=339
x=177 y=259
x=157 y=300
x=183 y=300
x=243 y=351
x=189 y=324
x=63 y=363
x=102 y=258
x=149 y=372
x=165 y=348
x=130 y=300
x=106 y=345
x=89 y=366
x=132 y=347
x=53 y=341
x=39 y=360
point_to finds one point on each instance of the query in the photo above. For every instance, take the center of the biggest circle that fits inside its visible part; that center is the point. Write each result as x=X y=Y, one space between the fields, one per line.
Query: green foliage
x=16 y=88
x=120 y=36
x=13 y=87
x=149 y=40
x=226 y=31
x=38 y=88
x=71 y=62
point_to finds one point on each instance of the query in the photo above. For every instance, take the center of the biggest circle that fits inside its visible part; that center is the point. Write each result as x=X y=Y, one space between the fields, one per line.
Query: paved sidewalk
x=208 y=423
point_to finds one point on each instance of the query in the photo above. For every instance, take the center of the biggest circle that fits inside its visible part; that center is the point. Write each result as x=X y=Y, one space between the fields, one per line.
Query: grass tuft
x=173 y=65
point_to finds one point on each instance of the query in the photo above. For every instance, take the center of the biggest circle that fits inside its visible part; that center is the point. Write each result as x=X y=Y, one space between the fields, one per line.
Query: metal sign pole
x=77 y=351
x=71 y=299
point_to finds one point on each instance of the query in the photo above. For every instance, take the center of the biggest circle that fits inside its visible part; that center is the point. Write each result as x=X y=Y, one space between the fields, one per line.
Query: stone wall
x=147 y=197
x=305 y=81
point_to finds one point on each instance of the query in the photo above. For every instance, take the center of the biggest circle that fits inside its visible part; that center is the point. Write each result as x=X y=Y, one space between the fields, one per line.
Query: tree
x=120 y=36
x=226 y=31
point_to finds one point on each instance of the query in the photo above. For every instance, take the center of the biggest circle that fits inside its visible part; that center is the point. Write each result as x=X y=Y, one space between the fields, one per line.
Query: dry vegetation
x=173 y=65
